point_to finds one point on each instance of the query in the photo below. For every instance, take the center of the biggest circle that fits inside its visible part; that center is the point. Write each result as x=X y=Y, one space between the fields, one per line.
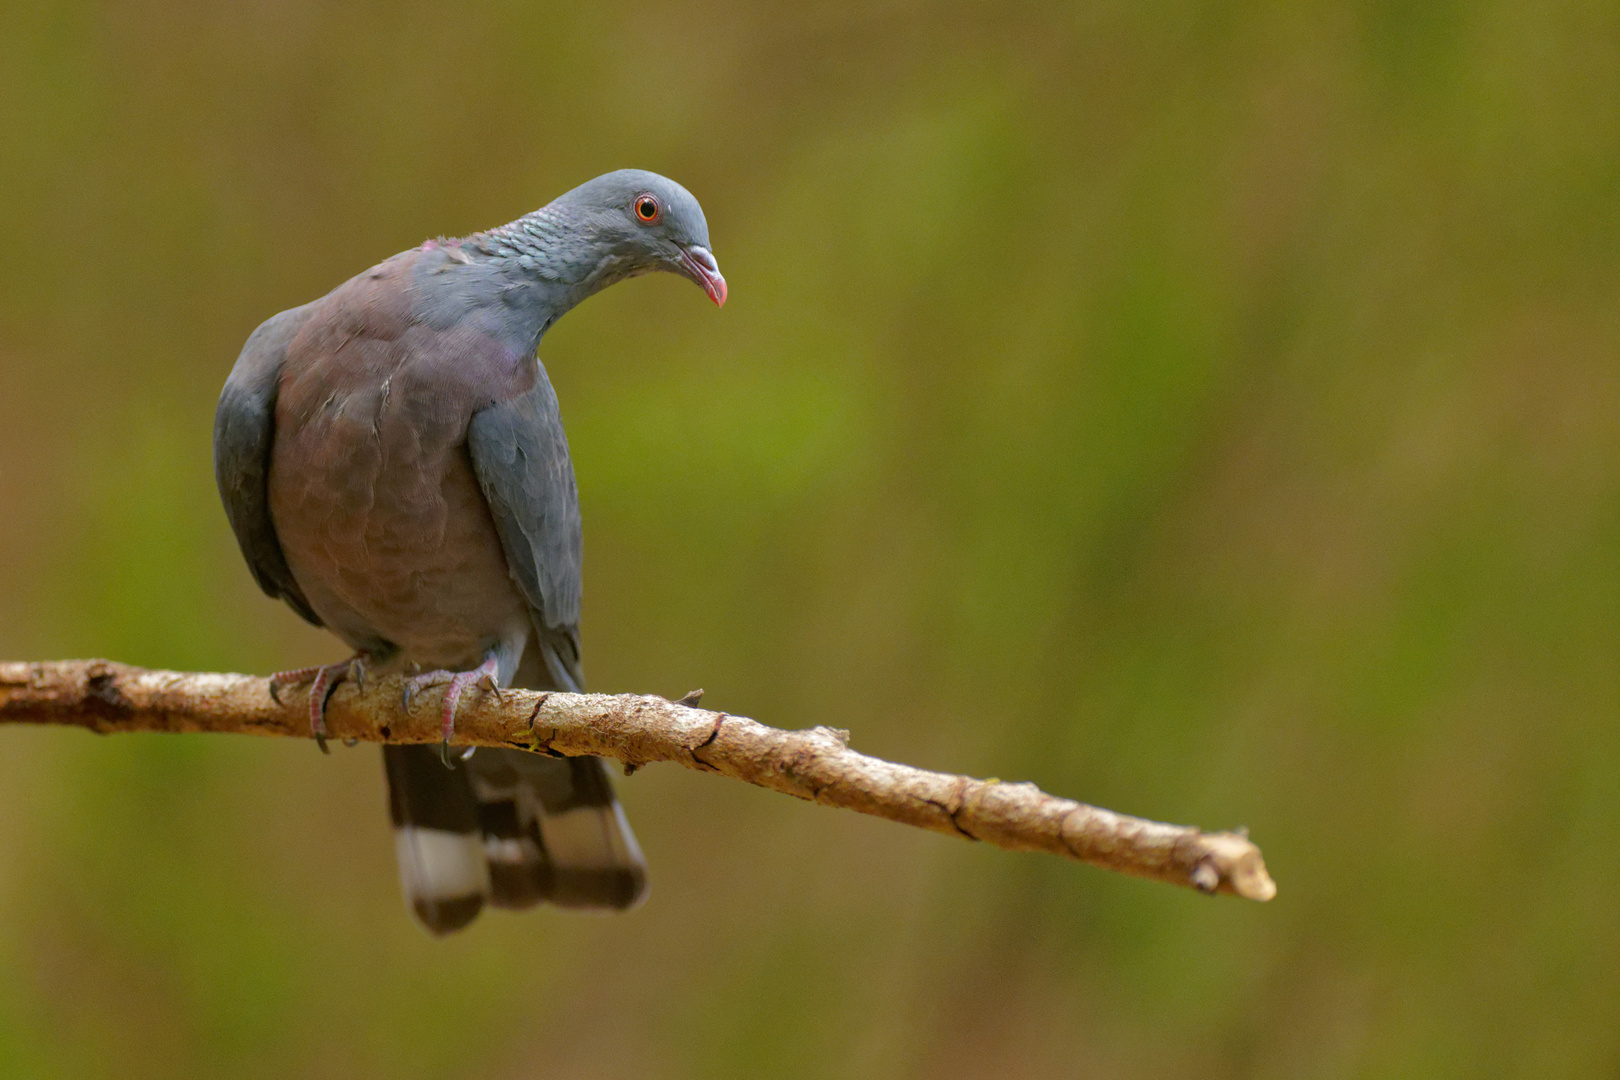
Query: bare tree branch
x=817 y=765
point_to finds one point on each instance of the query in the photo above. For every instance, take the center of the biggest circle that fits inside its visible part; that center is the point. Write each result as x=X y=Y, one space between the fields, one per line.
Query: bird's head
x=650 y=222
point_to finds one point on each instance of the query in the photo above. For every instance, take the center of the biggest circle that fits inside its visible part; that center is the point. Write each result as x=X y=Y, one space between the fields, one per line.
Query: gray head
x=636 y=221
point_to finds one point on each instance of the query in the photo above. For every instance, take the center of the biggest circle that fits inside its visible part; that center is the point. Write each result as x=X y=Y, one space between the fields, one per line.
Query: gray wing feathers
x=520 y=456
x=244 y=428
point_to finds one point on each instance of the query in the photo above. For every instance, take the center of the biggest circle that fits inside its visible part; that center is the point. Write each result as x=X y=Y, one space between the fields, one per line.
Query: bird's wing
x=520 y=456
x=244 y=429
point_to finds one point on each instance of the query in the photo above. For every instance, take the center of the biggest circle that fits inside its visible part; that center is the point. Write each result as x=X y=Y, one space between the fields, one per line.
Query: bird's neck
x=558 y=251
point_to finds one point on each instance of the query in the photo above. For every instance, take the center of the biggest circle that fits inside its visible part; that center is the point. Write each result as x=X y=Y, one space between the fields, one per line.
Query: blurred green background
x=1209 y=411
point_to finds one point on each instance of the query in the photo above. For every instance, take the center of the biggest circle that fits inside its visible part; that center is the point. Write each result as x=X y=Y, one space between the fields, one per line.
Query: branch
x=817 y=765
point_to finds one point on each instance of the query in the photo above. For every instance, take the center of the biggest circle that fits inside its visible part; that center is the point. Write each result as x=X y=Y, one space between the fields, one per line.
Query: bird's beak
x=699 y=265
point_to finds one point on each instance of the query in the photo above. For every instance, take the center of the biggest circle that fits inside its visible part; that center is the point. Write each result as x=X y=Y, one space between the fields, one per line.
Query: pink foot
x=486 y=673
x=325 y=680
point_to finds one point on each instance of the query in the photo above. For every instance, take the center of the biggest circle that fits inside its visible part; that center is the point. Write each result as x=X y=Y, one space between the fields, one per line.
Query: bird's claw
x=357 y=672
x=486 y=674
x=283 y=679
x=462 y=755
x=325 y=680
x=416 y=683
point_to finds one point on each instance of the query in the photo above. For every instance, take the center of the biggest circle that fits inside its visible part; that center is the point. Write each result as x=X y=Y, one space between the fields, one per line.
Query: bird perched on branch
x=393 y=463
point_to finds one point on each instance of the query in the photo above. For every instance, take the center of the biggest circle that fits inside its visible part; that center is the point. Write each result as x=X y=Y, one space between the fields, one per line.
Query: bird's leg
x=488 y=673
x=323 y=680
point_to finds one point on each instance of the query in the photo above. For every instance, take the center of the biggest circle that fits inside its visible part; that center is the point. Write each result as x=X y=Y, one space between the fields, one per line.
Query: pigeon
x=392 y=461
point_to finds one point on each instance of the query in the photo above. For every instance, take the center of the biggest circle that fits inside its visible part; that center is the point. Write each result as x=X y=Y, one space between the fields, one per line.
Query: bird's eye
x=647 y=209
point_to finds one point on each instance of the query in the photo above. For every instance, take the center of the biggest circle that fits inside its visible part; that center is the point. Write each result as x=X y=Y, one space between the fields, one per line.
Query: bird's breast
x=380 y=515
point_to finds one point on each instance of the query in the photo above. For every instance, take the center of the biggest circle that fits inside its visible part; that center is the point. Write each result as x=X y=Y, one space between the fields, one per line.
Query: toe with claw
x=417 y=683
x=323 y=680
x=283 y=679
x=486 y=674
x=357 y=672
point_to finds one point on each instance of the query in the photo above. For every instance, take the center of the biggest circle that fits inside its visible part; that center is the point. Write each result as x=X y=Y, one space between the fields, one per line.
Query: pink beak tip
x=702 y=268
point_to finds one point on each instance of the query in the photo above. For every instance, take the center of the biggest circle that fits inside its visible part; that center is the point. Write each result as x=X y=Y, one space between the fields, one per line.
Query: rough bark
x=817 y=765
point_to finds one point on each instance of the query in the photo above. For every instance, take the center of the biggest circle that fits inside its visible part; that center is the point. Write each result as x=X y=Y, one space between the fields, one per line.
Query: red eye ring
x=648 y=210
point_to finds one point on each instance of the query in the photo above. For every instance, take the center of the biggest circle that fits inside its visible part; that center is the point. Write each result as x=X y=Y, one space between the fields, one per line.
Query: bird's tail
x=510 y=828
